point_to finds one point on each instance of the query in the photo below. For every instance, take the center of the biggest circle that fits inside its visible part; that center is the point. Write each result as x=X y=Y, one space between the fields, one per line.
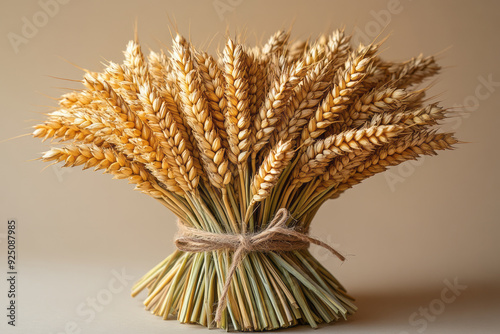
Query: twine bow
x=275 y=237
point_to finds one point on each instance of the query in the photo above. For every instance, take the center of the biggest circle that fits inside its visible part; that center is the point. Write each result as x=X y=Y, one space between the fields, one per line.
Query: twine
x=276 y=237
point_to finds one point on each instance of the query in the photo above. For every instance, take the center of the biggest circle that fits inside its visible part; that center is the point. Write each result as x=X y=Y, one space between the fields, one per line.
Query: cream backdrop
x=408 y=231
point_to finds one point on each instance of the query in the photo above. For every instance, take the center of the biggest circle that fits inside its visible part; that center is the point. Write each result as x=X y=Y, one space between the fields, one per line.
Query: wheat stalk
x=238 y=110
x=318 y=156
x=270 y=171
x=338 y=99
x=199 y=118
x=269 y=114
x=413 y=71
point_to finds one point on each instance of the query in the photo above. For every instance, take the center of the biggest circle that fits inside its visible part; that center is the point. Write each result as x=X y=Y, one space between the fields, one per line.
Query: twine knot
x=275 y=237
x=245 y=243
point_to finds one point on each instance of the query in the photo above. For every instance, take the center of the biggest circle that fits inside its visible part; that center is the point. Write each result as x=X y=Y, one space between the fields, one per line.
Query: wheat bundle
x=245 y=149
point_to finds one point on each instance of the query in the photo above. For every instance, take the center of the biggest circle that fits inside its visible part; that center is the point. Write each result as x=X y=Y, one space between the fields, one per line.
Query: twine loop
x=275 y=237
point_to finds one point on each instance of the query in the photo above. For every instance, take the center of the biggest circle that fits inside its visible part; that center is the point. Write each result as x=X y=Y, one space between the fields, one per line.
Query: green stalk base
x=269 y=290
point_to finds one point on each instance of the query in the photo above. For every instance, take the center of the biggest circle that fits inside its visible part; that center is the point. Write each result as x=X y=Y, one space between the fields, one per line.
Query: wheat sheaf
x=226 y=142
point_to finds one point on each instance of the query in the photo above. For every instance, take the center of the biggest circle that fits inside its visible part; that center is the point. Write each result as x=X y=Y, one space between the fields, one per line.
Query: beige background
x=429 y=222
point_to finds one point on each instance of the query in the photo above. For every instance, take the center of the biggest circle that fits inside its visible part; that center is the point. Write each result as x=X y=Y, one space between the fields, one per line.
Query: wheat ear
x=238 y=109
x=199 y=117
x=339 y=97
